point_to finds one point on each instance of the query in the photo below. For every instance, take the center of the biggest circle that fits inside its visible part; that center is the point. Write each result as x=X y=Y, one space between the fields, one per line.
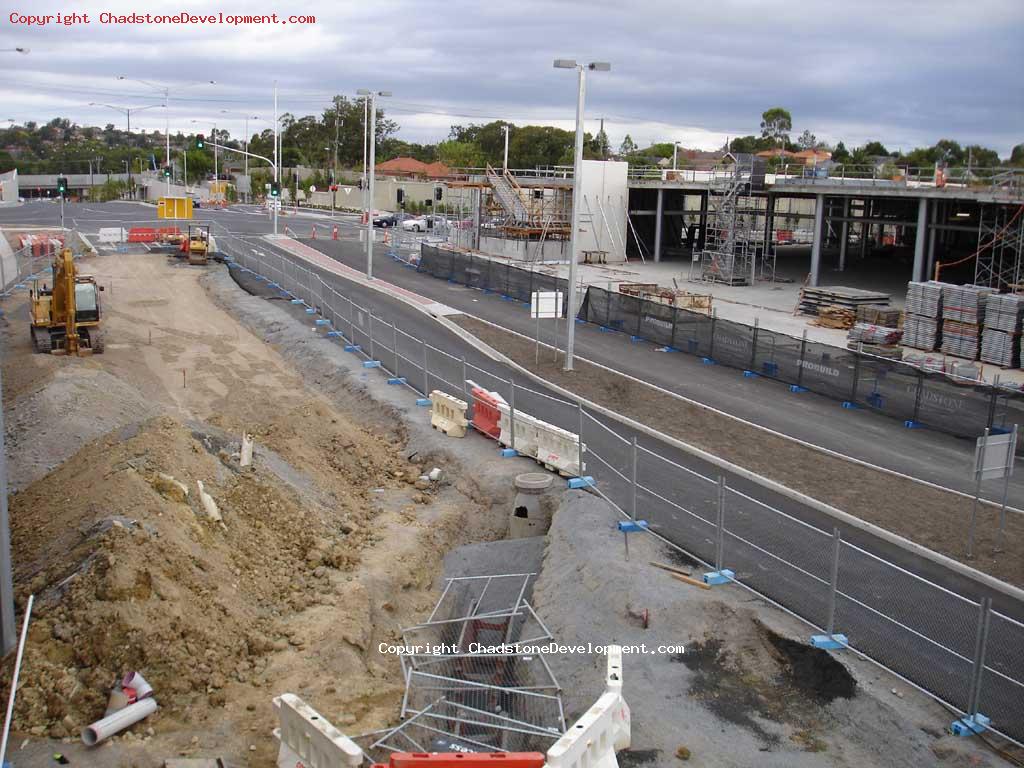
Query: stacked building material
x=832 y=316
x=1001 y=344
x=874 y=334
x=876 y=314
x=963 y=317
x=922 y=324
x=812 y=298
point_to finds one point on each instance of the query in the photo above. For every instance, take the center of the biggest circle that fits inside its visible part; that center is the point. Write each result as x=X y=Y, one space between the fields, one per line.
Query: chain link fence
x=947 y=403
x=958 y=650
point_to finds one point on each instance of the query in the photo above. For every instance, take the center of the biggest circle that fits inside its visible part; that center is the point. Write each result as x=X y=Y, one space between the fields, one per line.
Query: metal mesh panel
x=962 y=410
x=888 y=386
x=656 y=324
x=677 y=504
x=732 y=343
x=609 y=460
x=828 y=370
x=777 y=355
x=1002 y=699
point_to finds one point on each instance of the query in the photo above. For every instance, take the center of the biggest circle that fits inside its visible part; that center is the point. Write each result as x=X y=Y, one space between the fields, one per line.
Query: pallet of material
x=1000 y=348
x=925 y=299
x=965 y=303
x=812 y=298
x=921 y=332
x=867 y=333
x=876 y=314
x=832 y=316
x=888 y=351
x=1004 y=312
x=961 y=339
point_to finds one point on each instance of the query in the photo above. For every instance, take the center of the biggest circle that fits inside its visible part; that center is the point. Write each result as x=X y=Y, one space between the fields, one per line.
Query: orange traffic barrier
x=464 y=760
x=313 y=232
x=142 y=235
x=334 y=232
x=486 y=413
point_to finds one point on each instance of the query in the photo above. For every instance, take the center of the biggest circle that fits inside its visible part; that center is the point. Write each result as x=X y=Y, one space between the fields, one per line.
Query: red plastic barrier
x=485 y=412
x=784 y=235
x=142 y=235
x=464 y=760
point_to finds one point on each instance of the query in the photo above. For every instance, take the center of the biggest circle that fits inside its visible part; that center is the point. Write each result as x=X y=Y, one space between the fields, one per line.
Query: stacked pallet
x=877 y=314
x=922 y=324
x=1001 y=342
x=963 y=317
x=832 y=316
x=874 y=334
x=814 y=298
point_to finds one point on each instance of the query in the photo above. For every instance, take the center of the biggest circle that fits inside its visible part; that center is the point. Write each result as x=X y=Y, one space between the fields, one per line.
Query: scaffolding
x=1000 y=247
x=734 y=243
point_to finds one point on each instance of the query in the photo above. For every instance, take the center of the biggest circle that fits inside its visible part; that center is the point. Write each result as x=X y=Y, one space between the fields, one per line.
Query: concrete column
x=930 y=270
x=819 y=230
x=657 y=225
x=920 y=239
x=703 y=221
x=844 y=234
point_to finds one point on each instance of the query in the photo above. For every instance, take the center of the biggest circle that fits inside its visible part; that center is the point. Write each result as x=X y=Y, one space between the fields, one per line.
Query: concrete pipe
x=117 y=722
x=528 y=516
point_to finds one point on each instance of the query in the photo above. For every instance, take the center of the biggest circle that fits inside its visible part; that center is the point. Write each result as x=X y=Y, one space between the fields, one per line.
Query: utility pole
x=504 y=164
x=372 y=139
x=275 y=201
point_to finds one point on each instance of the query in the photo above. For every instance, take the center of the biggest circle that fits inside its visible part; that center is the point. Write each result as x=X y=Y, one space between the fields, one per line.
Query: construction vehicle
x=65 y=319
x=197 y=244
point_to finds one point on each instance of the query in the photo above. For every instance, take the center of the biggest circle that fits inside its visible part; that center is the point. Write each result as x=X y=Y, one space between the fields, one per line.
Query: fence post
x=351 y=321
x=856 y=372
x=720 y=534
x=833 y=583
x=634 y=476
x=753 y=344
x=993 y=399
x=426 y=374
x=675 y=320
x=918 y=395
x=394 y=340
x=369 y=324
x=800 y=365
x=465 y=387
x=980 y=644
x=714 y=322
x=512 y=416
x=579 y=440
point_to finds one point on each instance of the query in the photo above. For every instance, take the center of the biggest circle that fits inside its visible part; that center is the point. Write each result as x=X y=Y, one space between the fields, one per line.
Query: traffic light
x=62 y=185
x=200 y=141
x=360 y=184
x=400 y=195
x=275 y=189
x=167 y=171
x=438 y=192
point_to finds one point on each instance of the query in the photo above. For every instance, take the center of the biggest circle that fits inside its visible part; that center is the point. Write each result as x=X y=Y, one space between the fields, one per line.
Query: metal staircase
x=506 y=192
x=732 y=243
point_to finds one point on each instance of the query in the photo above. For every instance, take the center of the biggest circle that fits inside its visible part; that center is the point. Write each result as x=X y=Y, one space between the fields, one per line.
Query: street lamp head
x=22 y=50
x=384 y=93
x=599 y=66
x=565 y=63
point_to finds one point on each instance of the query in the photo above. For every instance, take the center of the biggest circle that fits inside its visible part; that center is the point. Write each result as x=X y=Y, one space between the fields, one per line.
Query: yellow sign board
x=174 y=208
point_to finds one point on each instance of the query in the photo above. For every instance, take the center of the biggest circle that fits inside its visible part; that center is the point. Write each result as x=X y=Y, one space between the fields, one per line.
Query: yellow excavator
x=66 y=318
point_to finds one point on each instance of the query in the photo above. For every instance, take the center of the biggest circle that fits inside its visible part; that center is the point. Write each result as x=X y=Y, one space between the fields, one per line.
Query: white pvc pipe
x=14 y=679
x=117 y=722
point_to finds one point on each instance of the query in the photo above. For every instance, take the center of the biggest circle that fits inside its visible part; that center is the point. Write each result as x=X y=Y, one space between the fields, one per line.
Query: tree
x=807 y=140
x=603 y=146
x=776 y=123
x=627 y=147
x=1017 y=155
x=841 y=154
x=982 y=157
x=539 y=145
x=460 y=154
x=874 y=149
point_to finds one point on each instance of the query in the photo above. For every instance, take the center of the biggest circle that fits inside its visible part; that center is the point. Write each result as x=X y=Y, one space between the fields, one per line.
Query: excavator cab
x=65 y=318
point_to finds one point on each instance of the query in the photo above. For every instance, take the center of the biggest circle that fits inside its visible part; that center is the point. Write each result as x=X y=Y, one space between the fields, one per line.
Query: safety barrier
x=560 y=450
x=486 y=410
x=448 y=414
x=954 y=648
x=526 y=428
x=308 y=740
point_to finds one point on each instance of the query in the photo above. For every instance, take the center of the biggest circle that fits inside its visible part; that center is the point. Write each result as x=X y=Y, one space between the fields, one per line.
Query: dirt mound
x=79 y=403
x=146 y=581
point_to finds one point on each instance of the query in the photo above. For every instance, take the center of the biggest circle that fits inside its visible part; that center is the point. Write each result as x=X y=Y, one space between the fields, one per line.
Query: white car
x=418 y=224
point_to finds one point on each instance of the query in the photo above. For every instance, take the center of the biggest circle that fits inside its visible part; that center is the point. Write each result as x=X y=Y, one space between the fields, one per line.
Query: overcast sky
x=906 y=72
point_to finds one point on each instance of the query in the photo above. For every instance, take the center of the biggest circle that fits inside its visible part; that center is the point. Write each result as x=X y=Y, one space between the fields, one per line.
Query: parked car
x=385 y=220
x=417 y=224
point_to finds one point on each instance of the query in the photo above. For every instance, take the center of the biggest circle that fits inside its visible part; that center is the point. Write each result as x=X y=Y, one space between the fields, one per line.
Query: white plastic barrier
x=604 y=729
x=448 y=414
x=527 y=429
x=112 y=235
x=558 y=449
x=308 y=740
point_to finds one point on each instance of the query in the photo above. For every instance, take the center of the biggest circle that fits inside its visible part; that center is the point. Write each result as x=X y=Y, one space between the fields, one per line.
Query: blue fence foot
x=708 y=360
x=322 y=321
x=829 y=642
x=396 y=380
x=507 y=453
x=797 y=388
x=273 y=285
x=723 y=576
x=310 y=311
x=371 y=363
x=423 y=402
x=488 y=290
x=850 y=405
x=504 y=297
x=581 y=482
x=970 y=725
x=751 y=375
x=770 y=369
x=668 y=349
x=605 y=329
x=297 y=301
x=875 y=400
x=998 y=431
x=580 y=322
x=334 y=334
x=526 y=304
x=352 y=348
x=911 y=424
x=636 y=338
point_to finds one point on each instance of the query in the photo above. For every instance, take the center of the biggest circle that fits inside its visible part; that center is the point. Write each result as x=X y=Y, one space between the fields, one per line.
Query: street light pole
x=372 y=140
x=275 y=201
x=675 y=151
x=127 y=112
x=504 y=163
x=577 y=196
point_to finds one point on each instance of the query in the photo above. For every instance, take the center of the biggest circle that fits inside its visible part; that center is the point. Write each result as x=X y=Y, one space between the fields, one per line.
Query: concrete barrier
x=308 y=740
x=448 y=414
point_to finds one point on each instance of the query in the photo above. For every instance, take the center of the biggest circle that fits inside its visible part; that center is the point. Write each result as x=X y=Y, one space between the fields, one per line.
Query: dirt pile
x=145 y=581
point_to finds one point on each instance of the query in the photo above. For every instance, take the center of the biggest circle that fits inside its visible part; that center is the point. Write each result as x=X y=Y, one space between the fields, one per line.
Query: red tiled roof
x=413 y=167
